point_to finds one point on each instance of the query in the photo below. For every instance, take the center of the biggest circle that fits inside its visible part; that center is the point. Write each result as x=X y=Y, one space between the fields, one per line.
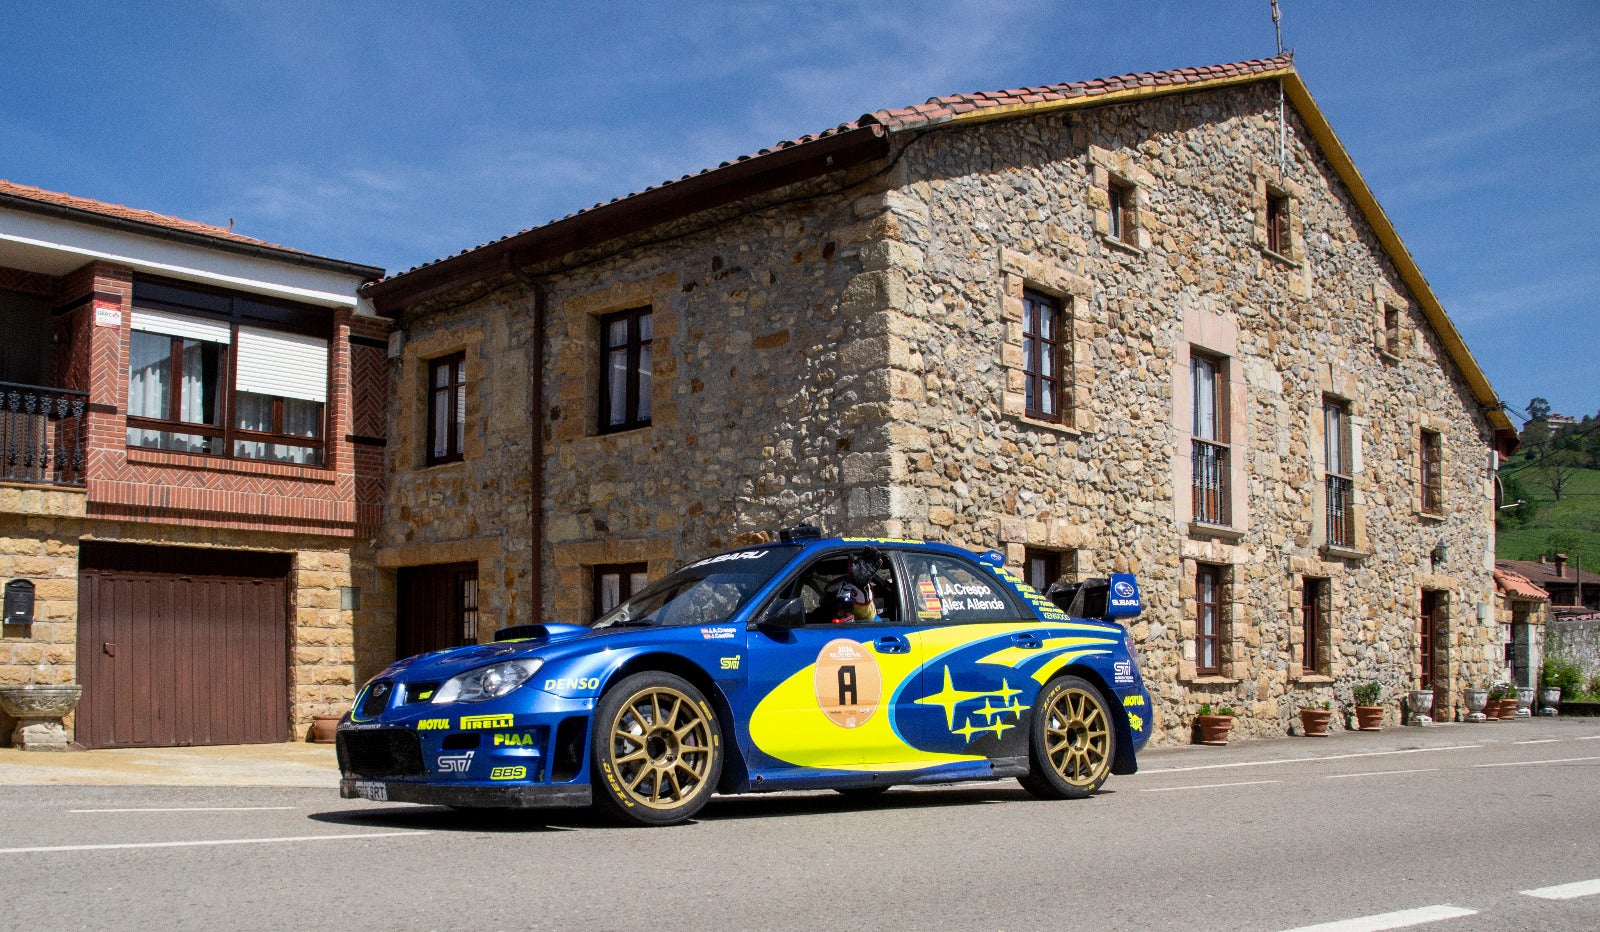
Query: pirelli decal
x=482 y=722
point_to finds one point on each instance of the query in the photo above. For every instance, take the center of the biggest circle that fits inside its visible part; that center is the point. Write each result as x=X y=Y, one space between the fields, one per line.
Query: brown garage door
x=181 y=646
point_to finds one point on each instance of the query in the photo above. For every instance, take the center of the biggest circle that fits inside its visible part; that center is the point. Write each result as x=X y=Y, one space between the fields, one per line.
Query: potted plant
x=1314 y=720
x=1502 y=701
x=1559 y=677
x=1369 y=714
x=1212 y=727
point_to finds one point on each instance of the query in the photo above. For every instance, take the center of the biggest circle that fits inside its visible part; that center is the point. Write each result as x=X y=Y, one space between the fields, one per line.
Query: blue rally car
x=848 y=664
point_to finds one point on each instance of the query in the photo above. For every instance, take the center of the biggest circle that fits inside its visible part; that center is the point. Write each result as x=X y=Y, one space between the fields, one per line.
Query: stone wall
x=1576 y=640
x=853 y=357
x=987 y=210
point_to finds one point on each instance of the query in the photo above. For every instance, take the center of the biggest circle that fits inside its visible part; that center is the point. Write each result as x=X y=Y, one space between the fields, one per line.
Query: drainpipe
x=536 y=457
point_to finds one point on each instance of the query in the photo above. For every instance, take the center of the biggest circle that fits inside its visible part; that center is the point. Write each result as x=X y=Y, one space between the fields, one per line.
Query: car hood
x=443 y=664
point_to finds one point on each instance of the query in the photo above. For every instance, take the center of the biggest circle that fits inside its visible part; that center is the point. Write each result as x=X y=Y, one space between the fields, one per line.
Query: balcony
x=1341 y=511
x=1211 y=496
x=43 y=432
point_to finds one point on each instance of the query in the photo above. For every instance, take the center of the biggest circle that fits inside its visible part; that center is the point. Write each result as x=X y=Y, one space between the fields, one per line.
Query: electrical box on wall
x=18 y=606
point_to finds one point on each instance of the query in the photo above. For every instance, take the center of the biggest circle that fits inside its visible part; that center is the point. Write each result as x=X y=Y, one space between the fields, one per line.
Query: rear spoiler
x=1099 y=599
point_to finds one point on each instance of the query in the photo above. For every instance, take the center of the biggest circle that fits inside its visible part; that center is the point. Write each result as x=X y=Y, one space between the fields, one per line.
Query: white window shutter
x=180 y=325
x=284 y=365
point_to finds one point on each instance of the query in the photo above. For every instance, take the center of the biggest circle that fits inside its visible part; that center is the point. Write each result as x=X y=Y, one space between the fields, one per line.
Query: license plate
x=373 y=791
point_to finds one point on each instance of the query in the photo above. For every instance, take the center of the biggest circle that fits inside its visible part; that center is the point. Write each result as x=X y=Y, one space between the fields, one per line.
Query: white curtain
x=1205 y=398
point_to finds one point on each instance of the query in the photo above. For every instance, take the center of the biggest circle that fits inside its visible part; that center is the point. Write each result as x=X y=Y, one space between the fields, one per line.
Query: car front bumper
x=467 y=796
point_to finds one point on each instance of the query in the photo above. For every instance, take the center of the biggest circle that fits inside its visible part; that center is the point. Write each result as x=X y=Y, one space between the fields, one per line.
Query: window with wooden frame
x=625 y=367
x=1046 y=351
x=447 y=408
x=1209 y=619
x=1278 y=232
x=1042 y=567
x=1430 y=628
x=1209 y=430
x=616 y=583
x=1431 y=456
x=226 y=374
x=1337 y=468
x=1313 y=625
x=1121 y=211
x=1391 y=330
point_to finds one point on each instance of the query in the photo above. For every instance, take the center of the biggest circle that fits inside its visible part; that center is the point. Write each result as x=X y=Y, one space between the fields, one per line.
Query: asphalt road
x=1468 y=827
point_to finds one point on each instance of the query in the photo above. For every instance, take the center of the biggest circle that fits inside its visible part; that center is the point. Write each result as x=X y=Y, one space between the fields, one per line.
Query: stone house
x=191 y=477
x=1522 y=610
x=1154 y=323
x=1569 y=585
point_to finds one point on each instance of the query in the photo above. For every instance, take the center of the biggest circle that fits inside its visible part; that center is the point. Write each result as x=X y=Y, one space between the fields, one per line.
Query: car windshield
x=702 y=593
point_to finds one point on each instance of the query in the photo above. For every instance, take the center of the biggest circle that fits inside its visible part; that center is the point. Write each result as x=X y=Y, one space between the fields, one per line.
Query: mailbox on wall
x=18 y=607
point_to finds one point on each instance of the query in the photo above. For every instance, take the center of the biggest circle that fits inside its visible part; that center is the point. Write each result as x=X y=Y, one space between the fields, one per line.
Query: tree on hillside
x=1535 y=437
x=1538 y=409
x=1555 y=470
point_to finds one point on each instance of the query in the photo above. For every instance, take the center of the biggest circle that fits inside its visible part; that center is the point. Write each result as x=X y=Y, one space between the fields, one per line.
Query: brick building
x=1154 y=323
x=191 y=474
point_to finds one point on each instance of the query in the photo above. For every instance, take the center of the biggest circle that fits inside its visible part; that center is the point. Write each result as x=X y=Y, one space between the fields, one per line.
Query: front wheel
x=1071 y=742
x=656 y=749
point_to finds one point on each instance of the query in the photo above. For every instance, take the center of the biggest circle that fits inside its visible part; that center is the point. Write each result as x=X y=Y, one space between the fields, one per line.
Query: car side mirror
x=783 y=615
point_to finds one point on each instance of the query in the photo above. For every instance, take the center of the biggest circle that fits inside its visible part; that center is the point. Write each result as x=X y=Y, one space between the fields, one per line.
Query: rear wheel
x=657 y=751
x=1071 y=742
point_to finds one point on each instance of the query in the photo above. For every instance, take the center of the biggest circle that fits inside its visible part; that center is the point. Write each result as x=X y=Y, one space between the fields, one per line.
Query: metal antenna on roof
x=1277 y=27
x=1283 y=155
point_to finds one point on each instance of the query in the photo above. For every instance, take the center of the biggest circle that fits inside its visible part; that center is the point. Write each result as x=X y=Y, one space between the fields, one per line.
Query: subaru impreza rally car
x=738 y=674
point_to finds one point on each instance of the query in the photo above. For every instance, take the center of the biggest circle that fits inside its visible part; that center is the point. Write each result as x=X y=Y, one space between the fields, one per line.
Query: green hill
x=1570 y=526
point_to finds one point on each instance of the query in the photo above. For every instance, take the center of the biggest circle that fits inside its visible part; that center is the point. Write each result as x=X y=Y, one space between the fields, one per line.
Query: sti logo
x=1123 y=671
x=455 y=763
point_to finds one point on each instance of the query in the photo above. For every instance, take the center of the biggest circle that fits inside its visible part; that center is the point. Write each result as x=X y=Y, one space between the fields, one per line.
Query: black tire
x=1072 y=741
x=655 y=750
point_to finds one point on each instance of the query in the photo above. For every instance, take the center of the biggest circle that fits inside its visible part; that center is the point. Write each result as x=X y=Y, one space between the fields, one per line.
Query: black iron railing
x=42 y=434
x=1210 y=482
x=1341 y=511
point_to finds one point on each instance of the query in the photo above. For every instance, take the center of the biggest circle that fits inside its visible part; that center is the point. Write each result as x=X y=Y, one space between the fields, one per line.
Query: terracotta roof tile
x=1513 y=583
x=118 y=211
x=941 y=109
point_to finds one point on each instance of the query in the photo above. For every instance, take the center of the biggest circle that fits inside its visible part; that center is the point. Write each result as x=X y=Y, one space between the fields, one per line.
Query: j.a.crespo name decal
x=480 y=722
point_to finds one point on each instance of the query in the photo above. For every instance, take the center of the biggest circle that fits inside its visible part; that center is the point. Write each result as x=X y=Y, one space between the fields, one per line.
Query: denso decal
x=433 y=724
x=482 y=722
x=567 y=685
x=508 y=773
x=455 y=763
x=720 y=633
x=513 y=739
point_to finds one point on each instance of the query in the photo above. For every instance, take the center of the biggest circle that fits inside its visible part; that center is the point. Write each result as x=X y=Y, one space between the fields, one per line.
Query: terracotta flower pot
x=324 y=727
x=1369 y=717
x=1214 y=728
x=1314 y=722
x=1508 y=709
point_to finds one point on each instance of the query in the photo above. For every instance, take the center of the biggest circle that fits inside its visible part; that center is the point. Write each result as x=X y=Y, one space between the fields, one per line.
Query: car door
x=825 y=690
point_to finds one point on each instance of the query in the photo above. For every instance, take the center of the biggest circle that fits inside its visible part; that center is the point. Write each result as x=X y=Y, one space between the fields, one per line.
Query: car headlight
x=489 y=682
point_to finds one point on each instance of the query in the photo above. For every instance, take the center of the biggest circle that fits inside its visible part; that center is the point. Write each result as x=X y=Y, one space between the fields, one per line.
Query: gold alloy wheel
x=1077 y=738
x=661 y=747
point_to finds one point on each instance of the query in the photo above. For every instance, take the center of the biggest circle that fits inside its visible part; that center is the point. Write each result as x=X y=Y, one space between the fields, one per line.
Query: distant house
x=191 y=429
x=1562 y=579
x=1522 y=611
x=1153 y=323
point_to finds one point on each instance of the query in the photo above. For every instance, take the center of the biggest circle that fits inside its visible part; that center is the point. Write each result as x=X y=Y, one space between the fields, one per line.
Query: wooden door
x=438 y=608
x=182 y=646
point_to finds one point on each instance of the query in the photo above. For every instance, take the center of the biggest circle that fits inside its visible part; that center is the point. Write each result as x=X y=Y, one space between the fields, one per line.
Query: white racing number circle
x=848 y=682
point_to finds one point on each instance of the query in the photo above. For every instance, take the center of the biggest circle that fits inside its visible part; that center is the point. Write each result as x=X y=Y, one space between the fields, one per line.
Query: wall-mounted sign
x=108 y=316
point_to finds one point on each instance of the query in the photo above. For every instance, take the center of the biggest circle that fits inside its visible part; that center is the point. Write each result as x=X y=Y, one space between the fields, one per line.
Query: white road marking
x=193 y=809
x=1566 y=891
x=1377 y=773
x=1531 y=763
x=1312 y=760
x=193 y=844
x=1398 y=920
x=1538 y=741
x=1208 y=786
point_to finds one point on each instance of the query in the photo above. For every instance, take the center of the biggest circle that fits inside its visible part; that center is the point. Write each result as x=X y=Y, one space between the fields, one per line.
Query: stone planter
x=1419 y=702
x=1525 y=696
x=1212 y=729
x=1314 y=722
x=1549 y=699
x=324 y=728
x=1369 y=717
x=38 y=711
x=1476 y=700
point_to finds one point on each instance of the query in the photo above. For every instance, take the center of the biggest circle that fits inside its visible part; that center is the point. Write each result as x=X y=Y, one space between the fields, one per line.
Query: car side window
x=948 y=590
x=817 y=584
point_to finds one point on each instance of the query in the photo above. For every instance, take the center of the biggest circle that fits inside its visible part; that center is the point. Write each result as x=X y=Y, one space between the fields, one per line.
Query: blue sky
x=395 y=133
